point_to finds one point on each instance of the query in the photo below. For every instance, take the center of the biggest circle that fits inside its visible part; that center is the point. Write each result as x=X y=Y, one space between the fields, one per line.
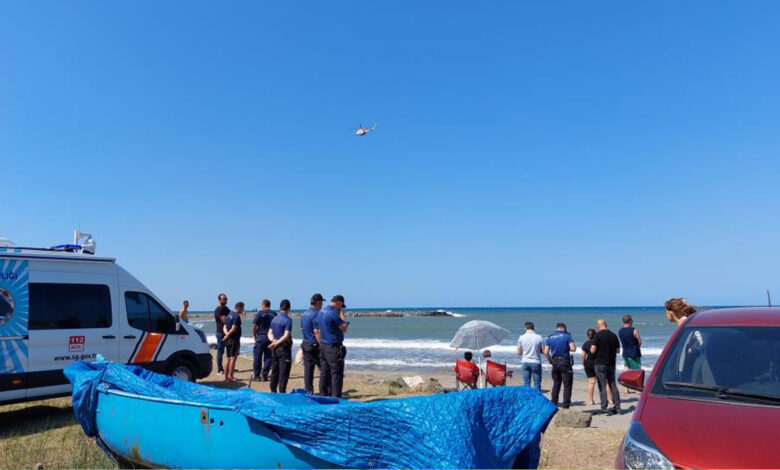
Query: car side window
x=146 y=314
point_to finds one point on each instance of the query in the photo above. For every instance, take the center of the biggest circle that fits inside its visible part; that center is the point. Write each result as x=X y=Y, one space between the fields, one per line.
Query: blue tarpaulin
x=484 y=428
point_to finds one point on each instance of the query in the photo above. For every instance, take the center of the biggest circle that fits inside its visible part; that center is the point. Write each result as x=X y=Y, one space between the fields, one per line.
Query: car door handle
x=109 y=337
x=129 y=336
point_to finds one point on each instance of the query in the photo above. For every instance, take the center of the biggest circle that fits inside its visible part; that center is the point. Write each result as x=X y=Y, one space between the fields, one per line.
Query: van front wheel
x=181 y=369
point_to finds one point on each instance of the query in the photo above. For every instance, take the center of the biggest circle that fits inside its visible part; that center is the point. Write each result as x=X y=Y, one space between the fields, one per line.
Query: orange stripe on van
x=148 y=348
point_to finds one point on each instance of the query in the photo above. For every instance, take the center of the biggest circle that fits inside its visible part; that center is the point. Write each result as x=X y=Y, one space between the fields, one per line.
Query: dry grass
x=46 y=432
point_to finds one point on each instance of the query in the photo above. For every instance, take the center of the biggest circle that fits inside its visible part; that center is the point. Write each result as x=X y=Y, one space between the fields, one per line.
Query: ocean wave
x=421 y=344
x=402 y=364
x=212 y=339
x=398 y=363
x=417 y=344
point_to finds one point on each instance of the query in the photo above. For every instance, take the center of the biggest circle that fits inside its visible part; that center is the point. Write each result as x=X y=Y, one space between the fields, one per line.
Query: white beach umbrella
x=478 y=334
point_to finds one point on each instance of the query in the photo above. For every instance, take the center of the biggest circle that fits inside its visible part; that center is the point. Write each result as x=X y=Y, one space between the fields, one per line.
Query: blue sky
x=527 y=154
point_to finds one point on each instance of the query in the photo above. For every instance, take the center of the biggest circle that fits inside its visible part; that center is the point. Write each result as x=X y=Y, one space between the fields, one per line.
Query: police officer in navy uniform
x=558 y=348
x=333 y=325
x=280 y=335
x=262 y=355
x=311 y=344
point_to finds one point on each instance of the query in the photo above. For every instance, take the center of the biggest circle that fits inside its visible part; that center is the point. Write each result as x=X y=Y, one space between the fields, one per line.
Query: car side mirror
x=633 y=379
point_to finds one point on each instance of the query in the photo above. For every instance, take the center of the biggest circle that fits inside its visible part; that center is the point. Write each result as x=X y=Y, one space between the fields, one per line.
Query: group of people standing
x=322 y=344
x=598 y=357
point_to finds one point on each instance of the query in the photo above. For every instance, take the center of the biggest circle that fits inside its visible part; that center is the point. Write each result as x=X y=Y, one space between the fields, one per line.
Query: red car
x=713 y=398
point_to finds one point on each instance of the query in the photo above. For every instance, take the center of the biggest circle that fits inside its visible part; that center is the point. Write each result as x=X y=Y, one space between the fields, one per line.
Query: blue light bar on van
x=66 y=247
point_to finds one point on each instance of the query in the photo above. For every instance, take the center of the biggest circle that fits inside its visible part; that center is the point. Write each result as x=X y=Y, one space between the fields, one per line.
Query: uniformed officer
x=262 y=355
x=333 y=325
x=558 y=348
x=280 y=335
x=311 y=345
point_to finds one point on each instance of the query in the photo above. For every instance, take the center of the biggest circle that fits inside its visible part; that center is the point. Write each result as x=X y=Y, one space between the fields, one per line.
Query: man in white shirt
x=529 y=346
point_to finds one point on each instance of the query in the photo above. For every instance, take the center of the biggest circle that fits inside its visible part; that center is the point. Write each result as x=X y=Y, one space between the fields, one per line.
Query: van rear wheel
x=181 y=369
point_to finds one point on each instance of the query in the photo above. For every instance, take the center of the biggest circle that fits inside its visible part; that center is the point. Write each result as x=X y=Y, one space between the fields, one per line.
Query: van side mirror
x=633 y=379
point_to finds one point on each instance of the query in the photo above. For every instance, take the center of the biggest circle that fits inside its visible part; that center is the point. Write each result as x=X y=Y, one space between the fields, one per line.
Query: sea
x=422 y=343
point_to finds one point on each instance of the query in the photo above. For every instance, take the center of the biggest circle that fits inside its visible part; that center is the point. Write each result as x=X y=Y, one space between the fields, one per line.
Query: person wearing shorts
x=631 y=342
x=220 y=313
x=232 y=340
x=590 y=367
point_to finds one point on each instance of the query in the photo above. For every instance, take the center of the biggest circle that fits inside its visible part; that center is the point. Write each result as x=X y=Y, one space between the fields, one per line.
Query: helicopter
x=361 y=131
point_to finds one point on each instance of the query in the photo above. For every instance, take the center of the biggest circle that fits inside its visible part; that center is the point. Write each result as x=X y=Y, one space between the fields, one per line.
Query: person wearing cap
x=558 y=348
x=280 y=335
x=333 y=325
x=262 y=355
x=310 y=345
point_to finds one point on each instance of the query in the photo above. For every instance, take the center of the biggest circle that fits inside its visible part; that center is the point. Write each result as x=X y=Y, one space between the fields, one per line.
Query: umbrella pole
x=481 y=379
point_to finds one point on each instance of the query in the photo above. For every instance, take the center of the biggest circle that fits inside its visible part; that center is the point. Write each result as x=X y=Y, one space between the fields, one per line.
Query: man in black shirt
x=220 y=315
x=605 y=348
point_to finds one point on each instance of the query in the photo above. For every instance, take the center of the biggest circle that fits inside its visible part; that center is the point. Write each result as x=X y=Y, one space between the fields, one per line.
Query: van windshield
x=725 y=362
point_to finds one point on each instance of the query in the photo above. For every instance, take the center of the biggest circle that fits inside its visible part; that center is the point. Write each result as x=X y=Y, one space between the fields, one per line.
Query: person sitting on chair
x=486 y=355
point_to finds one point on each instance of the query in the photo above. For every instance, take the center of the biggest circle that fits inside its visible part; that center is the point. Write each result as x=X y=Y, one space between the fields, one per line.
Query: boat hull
x=152 y=432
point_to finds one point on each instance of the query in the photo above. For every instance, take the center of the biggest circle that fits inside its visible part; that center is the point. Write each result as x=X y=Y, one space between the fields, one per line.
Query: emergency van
x=64 y=304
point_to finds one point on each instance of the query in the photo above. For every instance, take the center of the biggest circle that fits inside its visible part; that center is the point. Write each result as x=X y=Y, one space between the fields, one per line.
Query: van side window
x=144 y=313
x=137 y=305
x=69 y=306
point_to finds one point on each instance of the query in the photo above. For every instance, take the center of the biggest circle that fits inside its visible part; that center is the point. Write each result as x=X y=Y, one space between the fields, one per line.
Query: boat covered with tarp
x=151 y=420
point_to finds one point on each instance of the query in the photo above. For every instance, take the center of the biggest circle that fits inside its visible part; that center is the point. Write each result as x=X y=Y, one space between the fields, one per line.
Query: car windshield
x=723 y=362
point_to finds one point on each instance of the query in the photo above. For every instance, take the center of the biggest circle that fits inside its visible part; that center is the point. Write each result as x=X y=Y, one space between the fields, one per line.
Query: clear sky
x=527 y=154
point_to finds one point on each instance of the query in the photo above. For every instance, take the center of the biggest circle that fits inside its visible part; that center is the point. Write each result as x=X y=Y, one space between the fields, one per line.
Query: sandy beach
x=46 y=432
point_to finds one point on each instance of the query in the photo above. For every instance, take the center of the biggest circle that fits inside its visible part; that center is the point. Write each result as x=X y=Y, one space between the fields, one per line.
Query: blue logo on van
x=14 y=310
x=7 y=306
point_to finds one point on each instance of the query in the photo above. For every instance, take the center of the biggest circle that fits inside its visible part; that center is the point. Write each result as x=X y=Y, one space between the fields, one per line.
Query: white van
x=63 y=304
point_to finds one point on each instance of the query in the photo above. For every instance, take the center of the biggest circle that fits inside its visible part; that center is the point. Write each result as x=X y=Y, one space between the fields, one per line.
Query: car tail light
x=640 y=452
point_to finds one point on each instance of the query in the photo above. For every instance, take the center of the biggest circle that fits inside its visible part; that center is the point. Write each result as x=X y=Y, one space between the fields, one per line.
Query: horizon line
x=510 y=307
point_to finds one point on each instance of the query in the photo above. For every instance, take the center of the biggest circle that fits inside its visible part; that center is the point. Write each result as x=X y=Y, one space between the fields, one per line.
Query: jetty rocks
x=364 y=313
x=401 y=313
